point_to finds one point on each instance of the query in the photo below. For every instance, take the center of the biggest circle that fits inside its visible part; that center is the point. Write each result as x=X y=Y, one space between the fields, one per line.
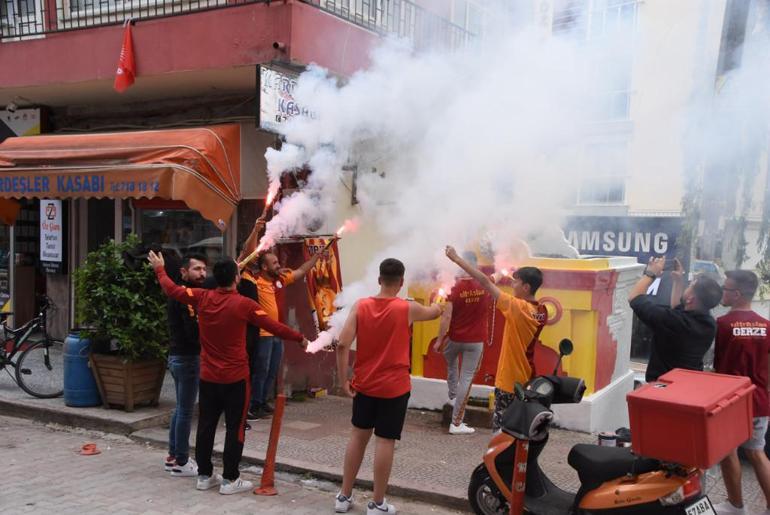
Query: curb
x=295 y=467
x=83 y=420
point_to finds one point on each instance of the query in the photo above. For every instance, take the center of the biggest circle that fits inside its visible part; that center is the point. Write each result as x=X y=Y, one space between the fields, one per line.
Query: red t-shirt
x=222 y=319
x=741 y=349
x=470 y=311
x=382 y=348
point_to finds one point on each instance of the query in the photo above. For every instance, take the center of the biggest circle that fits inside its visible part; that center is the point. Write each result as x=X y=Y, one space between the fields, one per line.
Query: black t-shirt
x=183 y=328
x=680 y=338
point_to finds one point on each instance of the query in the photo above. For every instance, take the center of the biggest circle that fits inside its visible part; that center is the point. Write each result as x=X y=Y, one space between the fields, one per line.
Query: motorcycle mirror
x=566 y=347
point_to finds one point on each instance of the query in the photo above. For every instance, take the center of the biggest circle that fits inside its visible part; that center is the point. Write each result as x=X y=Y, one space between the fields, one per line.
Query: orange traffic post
x=267 y=482
x=519 y=483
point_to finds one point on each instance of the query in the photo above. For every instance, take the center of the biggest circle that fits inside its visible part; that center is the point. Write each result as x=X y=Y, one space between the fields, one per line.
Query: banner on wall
x=324 y=280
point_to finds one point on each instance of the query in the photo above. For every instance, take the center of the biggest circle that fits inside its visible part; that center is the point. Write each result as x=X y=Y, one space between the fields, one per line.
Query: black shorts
x=386 y=416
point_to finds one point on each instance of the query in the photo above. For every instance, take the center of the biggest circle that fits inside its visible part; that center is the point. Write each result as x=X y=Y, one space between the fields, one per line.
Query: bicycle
x=39 y=367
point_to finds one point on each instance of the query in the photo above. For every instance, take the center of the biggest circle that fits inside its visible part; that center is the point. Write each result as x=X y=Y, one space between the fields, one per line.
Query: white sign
x=276 y=98
x=50 y=231
x=20 y=122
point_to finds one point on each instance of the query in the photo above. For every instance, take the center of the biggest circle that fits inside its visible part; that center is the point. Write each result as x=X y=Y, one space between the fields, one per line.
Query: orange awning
x=199 y=166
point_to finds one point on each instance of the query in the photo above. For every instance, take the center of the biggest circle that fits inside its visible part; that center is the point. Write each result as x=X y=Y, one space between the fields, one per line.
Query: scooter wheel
x=484 y=496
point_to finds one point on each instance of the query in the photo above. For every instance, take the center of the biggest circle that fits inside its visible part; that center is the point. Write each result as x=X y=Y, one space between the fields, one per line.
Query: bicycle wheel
x=40 y=369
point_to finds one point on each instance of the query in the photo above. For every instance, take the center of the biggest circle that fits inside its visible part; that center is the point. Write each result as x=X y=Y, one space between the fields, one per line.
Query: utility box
x=691 y=418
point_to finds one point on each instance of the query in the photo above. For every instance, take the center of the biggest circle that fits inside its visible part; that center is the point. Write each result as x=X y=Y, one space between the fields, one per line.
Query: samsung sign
x=640 y=237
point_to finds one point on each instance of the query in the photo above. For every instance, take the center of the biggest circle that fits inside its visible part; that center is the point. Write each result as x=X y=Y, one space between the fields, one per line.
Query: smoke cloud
x=478 y=148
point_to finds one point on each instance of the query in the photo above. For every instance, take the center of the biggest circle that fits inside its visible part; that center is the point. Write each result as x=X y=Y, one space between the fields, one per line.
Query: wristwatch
x=650 y=274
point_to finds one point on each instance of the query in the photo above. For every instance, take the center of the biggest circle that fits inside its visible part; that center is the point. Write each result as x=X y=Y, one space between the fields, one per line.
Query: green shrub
x=121 y=305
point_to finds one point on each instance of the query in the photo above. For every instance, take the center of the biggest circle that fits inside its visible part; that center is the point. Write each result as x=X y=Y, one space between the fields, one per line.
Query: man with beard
x=683 y=332
x=224 y=375
x=184 y=365
x=271 y=281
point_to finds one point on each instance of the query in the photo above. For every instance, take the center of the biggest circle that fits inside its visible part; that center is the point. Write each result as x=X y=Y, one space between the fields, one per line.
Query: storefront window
x=180 y=231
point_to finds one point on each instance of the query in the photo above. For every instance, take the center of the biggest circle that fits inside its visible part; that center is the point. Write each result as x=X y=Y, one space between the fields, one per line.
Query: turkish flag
x=126 y=72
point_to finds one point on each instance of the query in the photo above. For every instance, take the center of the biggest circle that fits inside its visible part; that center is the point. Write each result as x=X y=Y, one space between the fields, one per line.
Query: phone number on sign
x=135 y=186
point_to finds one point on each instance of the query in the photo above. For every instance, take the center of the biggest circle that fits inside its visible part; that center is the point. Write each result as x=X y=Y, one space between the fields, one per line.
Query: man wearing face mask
x=683 y=332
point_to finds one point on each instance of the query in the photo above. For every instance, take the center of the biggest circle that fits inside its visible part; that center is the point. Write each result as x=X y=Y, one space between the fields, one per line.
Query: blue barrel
x=80 y=388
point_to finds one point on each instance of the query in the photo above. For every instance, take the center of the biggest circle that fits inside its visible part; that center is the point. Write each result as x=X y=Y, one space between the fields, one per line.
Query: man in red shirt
x=462 y=332
x=381 y=384
x=223 y=315
x=742 y=348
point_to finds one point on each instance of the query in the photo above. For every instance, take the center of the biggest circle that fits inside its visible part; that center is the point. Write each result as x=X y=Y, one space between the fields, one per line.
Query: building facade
x=203 y=64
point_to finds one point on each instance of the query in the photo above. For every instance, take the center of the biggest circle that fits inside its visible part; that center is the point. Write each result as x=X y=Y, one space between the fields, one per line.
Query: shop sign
x=51 y=234
x=640 y=237
x=276 y=98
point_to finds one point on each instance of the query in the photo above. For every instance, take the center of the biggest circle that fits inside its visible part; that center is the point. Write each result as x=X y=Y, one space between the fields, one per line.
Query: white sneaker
x=208 y=482
x=189 y=469
x=235 y=487
x=169 y=463
x=378 y=509
x=342 y=504
x=461 y=429
x=451 y=401
x=727 y=508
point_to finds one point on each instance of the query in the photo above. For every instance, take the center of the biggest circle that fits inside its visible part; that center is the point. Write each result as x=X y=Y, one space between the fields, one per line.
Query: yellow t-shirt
x=271 y=294
x=520 y=326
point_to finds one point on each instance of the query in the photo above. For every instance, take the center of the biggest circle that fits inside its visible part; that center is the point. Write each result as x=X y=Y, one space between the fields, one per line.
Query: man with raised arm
x=683 y=331
x=271 y=281
x=223 y=315
x=524 y=319
x=381 y=383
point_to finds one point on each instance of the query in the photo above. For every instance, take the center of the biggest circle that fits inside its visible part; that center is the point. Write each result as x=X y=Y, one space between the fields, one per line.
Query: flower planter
x=127 y=384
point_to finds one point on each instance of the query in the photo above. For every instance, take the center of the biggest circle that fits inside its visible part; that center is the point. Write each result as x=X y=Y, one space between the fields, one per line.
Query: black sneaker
x=257 y=414
x=268 y=408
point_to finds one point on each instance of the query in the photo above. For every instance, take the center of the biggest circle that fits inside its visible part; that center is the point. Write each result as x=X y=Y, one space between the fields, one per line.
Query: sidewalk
x=430 y=465
x=45 y=475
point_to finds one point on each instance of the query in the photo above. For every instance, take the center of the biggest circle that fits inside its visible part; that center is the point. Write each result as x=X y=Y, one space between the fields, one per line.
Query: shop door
x=101 y=221
x=29 y=278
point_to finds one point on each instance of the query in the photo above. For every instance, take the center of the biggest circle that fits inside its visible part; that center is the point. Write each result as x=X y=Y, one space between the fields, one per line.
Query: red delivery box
x=691 y=418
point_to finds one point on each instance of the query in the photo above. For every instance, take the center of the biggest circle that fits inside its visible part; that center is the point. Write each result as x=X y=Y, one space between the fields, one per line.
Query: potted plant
x=119 y=303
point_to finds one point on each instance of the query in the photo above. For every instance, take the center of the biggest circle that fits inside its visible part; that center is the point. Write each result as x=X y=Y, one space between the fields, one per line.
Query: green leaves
x=116 y=302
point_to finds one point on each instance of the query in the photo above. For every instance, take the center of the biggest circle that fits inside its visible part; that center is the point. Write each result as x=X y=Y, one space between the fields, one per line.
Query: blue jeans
x=266 y=362
x=186 y=371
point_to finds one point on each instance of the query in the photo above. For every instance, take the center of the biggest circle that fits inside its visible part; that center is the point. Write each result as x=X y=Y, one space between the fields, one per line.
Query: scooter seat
x=596 y=464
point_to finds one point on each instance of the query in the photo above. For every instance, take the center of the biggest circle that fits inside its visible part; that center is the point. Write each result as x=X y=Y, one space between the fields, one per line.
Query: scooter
x=612 y=479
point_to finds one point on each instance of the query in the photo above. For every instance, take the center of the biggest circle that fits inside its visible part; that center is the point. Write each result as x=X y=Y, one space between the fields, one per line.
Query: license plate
x=701 y=507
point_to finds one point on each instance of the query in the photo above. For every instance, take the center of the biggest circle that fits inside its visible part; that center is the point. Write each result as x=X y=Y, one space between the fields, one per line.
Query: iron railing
x=35 y=18
x=403 y=18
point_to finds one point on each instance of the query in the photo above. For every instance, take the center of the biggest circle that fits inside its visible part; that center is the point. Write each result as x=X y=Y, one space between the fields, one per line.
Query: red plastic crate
x=691 y=418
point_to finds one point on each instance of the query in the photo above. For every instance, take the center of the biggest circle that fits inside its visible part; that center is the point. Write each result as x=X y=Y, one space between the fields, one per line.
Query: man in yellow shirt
x=524 y=319
x=271 y=281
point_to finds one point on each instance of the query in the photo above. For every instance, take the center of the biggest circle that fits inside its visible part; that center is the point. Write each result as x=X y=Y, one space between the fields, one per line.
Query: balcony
x=26 y=19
